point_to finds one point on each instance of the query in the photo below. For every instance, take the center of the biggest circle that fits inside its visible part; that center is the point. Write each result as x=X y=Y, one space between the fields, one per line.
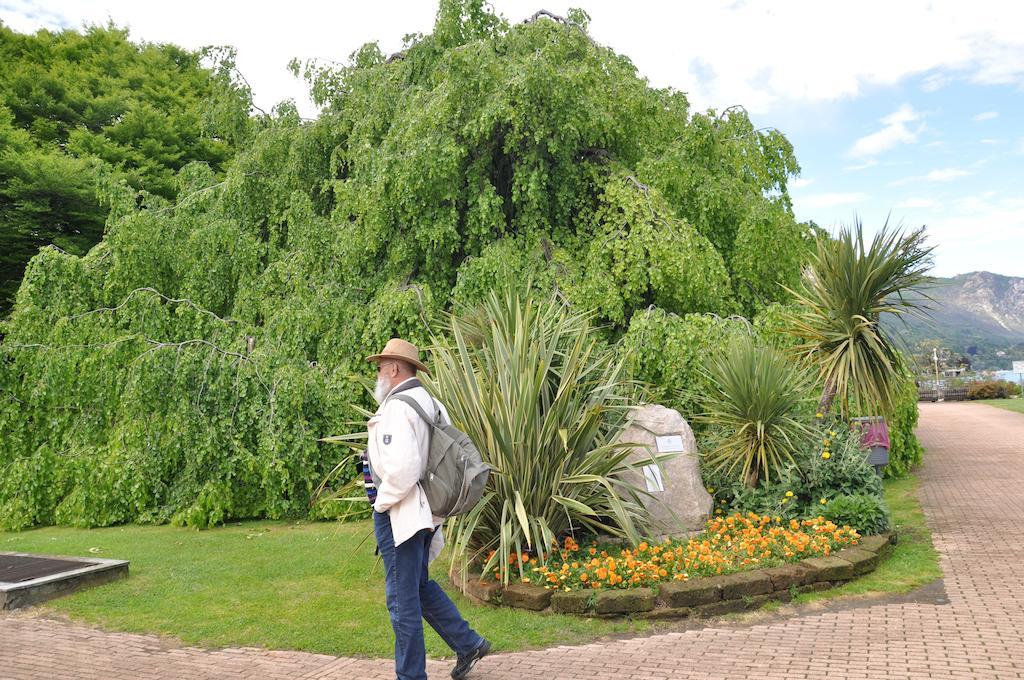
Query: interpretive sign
x=669 y=444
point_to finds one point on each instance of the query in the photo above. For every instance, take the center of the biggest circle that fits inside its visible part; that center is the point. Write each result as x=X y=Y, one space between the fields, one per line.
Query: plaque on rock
x=678 y=502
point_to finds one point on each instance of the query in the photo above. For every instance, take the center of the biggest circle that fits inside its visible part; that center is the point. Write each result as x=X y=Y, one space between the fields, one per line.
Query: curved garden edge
x=703 y=597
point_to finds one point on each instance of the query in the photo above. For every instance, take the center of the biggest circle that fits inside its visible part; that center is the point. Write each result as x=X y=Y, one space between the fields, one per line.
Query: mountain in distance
x=979 y=315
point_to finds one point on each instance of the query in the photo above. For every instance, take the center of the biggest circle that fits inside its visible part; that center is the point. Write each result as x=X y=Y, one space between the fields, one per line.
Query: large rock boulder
x=679 y=504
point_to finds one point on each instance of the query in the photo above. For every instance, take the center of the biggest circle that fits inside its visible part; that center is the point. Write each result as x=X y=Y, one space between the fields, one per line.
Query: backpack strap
x=411 y=401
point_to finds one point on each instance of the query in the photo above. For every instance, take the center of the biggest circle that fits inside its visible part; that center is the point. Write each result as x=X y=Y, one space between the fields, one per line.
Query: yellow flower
x=819 y=414
x=789 y=494
x=823 y=501
x=826 y=455
x=711 y=489
x=785 y=500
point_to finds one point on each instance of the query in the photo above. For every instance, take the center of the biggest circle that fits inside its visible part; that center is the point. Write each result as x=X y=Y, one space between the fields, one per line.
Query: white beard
x=380 y=392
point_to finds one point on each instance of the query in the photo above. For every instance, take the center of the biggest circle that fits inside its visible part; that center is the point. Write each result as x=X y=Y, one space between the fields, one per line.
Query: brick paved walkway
x=973 y=494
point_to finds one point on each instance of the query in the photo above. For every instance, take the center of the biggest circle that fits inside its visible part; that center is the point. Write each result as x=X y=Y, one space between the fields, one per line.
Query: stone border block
x=474 y=586
x=666 y=613
x=862 y=560
x=789 y=575
x=625 y=601
x=690 y=593
x=830 y=568
x=572 y=602
x=526 y=596
x=880 y=544
x=744 y=584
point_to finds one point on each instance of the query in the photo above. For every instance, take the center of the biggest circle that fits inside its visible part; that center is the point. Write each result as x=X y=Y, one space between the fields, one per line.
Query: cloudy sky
x=907 y=110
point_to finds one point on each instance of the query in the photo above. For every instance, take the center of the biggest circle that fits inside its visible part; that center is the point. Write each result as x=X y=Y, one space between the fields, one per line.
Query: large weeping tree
x=184 y=368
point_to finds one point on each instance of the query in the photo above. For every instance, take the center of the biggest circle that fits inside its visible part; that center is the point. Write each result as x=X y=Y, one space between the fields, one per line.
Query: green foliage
x=753 y=404
x=729 y=180
x=667 y=352
x=188 y=363
x=831 y=465
x=544 y=400
x=75 y=104
x=993 y=389
x=847 y=287
x=865 y=513
x=643 y=256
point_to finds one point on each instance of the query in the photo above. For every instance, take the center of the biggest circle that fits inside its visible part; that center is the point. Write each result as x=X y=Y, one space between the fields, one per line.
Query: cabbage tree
x=846 y=288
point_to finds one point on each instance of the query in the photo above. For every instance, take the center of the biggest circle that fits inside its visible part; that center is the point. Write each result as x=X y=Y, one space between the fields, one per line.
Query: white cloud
x=870 y=163
x=832 y=199
x=807 y=50
x=800 y=183
x=935 y=82
x=946 y=174
x=893 y=134
x=940 y=175
x=917 y=203
x=987 y=115
x=989 y=140
x=979 y=234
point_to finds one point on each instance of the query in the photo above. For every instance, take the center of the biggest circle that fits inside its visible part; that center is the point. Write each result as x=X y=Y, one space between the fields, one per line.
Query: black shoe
x=465 y=663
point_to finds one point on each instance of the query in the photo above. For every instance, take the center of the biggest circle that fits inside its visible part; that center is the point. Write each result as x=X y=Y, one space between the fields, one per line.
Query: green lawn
x=306 y=586
x=318 y=587
x=913 y=561
x=1009 y=404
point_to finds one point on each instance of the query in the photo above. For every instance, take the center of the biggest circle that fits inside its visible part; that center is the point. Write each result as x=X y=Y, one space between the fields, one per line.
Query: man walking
x=408 y=535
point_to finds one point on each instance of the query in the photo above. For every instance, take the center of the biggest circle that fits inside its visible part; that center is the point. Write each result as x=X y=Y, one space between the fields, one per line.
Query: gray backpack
x=456 y=474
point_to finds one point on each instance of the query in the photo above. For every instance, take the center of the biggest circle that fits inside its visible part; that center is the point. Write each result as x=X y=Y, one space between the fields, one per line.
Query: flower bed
x=727 y=545
x=738 y=562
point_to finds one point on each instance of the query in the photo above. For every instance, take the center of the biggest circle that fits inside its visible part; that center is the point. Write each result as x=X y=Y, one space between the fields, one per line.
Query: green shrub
x=544 y=399
x=668 y=352
x=993 y=389
x=753 y=404
x=195 y=355
x=833 y=465
x=844 y=471
x=864 y=512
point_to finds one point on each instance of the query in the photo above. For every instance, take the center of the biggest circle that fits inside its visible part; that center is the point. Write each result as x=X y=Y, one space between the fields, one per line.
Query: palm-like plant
x=754 y=403
x=843 y=293
x=545 y=402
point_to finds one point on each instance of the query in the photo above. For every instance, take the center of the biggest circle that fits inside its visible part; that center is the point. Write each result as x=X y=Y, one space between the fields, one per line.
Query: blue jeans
x=412 y=597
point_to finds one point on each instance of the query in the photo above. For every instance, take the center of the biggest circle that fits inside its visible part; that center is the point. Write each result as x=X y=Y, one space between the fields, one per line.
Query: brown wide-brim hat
x=402 y=351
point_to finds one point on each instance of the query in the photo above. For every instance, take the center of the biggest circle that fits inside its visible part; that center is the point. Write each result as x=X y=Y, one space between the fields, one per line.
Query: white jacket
x=398 y=445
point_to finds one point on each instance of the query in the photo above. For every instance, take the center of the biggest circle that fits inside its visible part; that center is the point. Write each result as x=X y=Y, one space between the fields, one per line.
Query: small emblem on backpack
x=387 y=439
